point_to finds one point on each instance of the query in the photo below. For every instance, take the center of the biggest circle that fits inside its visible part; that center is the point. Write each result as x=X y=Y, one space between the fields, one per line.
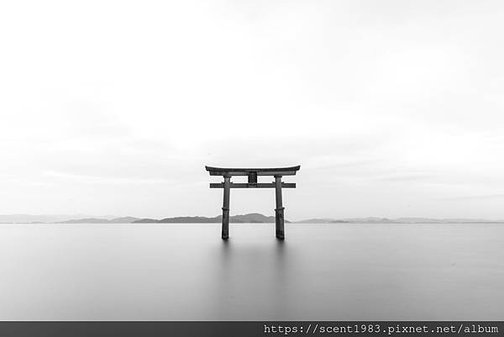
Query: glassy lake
x=186 y=272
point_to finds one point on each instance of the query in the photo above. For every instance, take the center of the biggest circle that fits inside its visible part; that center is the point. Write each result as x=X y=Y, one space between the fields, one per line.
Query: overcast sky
x=392 y=108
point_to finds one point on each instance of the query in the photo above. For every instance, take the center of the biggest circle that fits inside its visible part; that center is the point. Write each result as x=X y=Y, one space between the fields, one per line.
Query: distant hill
x=189 y=219
x=146 y=220
x=251 y=218
x=127 y=219
x=371 y=219
x=404 y=220
x=322 y=220
x=124 y=219
x=260 y=218
x=245 y=218
x=84 y=220
x=43 y=218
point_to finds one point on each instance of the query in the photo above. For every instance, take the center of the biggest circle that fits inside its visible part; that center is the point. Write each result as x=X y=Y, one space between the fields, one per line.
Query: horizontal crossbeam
x=269 y=171
x=258 y=185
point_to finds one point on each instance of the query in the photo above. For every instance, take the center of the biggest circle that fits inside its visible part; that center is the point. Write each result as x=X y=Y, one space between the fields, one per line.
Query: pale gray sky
x=393 y=108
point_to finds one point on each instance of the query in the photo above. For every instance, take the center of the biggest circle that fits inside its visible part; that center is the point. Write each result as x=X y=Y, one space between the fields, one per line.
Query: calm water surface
x=185 y=272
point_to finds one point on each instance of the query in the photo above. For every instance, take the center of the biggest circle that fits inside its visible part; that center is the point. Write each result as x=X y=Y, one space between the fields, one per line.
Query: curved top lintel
x=263 y=171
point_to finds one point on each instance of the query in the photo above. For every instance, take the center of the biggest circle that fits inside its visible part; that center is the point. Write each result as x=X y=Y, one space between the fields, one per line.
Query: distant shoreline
x=244 y=218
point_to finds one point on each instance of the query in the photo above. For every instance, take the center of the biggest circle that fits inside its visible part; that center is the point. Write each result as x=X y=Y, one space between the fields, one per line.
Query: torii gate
x=252 y=174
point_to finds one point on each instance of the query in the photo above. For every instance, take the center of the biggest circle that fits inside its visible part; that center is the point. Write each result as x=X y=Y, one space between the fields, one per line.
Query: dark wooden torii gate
x=252 y=174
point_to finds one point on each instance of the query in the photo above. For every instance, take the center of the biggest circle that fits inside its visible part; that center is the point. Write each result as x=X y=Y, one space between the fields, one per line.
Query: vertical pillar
x=225 y=208
x=279 y=211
